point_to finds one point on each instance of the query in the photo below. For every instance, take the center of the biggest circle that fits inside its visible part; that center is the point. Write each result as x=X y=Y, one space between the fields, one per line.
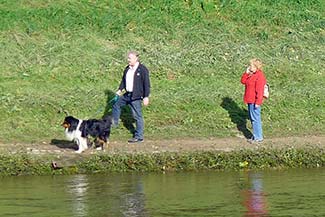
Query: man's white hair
x=135 y=53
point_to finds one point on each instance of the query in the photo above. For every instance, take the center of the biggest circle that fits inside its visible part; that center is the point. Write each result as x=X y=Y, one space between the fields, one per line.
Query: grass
x=69 y=56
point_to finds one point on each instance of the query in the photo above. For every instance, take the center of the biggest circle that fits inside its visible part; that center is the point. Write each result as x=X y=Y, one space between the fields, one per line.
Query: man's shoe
x=255 y=141
x=135 y=140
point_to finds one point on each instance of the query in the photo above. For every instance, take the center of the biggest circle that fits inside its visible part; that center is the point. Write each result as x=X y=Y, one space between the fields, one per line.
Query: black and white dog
x=78 y=131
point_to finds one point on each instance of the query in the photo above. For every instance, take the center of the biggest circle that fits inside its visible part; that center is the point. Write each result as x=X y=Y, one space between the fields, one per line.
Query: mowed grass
x=69 y=56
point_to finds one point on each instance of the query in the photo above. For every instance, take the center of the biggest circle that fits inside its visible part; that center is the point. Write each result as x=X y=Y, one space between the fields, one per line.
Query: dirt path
x=61 y=147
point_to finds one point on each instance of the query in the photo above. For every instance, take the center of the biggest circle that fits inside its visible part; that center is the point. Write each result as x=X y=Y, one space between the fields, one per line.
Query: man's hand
x=119 y=93
x=146 y=101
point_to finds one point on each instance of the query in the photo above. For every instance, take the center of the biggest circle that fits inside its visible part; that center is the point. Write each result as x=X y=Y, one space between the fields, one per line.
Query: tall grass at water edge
x=63 y=55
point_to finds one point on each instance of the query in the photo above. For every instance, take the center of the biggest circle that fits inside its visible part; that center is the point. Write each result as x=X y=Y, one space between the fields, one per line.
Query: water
x=298 y=192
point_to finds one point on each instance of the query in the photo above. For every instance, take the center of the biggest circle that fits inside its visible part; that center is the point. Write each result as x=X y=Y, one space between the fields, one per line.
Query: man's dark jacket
x=141 y=82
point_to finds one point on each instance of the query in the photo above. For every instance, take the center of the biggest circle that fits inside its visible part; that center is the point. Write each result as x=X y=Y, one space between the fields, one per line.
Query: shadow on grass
x=238 y=115
x=126 y=113
x=64 y=144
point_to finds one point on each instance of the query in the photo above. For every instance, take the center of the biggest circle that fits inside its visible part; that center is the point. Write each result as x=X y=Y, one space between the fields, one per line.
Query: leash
x=110 y=104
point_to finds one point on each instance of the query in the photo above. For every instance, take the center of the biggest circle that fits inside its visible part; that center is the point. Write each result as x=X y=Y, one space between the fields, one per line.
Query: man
x=136 y=84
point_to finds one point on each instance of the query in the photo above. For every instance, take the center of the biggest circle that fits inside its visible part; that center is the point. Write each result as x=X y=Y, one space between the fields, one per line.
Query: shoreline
x=164 y=155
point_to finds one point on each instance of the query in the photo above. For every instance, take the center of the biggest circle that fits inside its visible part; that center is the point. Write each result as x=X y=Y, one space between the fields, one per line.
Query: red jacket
x=254 y=87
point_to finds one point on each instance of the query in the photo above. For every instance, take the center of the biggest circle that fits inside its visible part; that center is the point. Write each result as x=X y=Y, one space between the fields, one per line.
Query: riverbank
x=58 y=157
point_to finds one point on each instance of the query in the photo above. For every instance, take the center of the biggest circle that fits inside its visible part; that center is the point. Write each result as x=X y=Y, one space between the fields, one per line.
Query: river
x=294 y=192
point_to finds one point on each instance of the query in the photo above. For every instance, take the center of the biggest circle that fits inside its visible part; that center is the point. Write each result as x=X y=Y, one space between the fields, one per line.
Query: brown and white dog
x=78 y=131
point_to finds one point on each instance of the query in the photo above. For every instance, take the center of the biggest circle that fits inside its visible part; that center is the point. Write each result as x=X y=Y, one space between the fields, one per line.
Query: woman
x=254 y=80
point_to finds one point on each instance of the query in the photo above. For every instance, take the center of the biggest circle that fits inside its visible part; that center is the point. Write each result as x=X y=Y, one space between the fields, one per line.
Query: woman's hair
x=257 y=63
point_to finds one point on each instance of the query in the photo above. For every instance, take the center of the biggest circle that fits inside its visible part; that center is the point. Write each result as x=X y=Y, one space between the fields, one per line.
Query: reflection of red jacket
x=254 y=87
x=255 y=203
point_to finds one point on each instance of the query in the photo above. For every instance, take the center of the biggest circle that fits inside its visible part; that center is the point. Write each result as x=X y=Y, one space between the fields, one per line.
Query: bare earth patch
x=61 y=147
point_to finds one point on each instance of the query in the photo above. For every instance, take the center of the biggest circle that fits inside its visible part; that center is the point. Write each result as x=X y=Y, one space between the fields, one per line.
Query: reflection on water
x=78 y=187
x=105 y=195
x=254 y=198
x=134 y=202
x=266 y=193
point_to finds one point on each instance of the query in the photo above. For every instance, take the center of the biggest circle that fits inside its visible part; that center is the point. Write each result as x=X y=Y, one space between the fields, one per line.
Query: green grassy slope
x=69 y=55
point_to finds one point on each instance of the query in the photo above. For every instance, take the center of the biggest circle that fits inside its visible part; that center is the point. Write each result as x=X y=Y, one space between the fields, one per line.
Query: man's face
x=132 y=59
